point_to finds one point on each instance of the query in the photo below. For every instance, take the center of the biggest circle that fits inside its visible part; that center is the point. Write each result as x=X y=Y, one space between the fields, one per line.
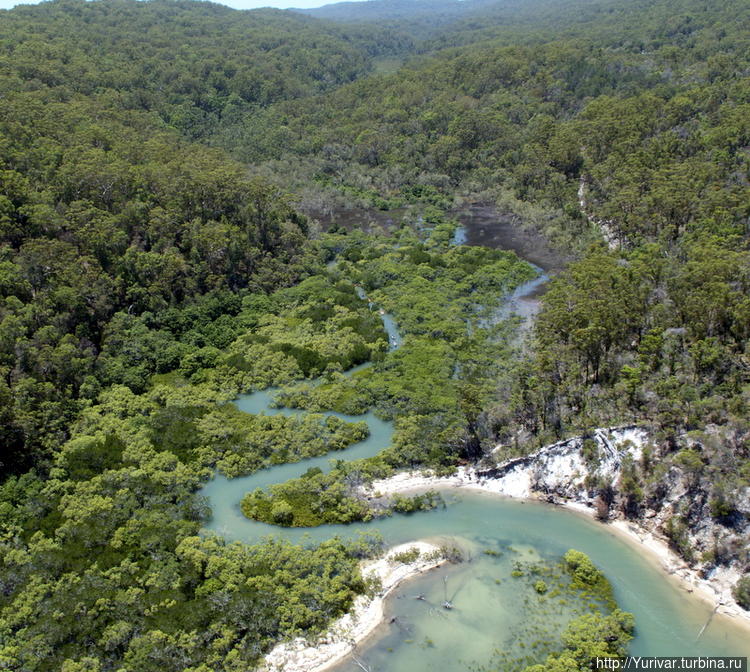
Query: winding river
x=490 y=610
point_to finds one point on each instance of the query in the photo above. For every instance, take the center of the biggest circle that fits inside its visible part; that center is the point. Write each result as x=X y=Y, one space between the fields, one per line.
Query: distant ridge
x=385 y=10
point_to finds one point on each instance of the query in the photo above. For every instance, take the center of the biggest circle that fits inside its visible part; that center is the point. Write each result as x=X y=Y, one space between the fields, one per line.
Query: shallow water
x=523 y=301
x=490 y=615
x=460 y=236
x=487 y=226
x=492 y=610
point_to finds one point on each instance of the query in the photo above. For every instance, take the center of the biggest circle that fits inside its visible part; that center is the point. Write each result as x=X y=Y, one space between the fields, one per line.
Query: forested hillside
x=149 y=275
x=108 y=220
x=198 y=65
x=622 y=132
x=642 y=141
x=107 y=211
x=419 y=17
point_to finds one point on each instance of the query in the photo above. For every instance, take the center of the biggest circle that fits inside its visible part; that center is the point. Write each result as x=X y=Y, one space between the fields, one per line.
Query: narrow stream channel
x=489 y=613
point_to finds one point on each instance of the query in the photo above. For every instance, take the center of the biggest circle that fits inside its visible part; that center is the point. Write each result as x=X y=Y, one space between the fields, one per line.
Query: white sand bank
x=558 y=468
x=716 y=589
x=301 y=655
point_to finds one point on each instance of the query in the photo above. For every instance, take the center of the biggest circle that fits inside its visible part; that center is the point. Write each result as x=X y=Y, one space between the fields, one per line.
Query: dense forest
x=622 y=135
x=162 y=165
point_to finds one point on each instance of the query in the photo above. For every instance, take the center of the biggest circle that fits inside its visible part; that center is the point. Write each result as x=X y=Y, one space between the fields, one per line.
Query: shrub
x=585 y=574
x=407 y=556
x=677 y=533
x=590 y=453
x=741 y=592
x=282 y=512
x=602 y=509
x=429 y=500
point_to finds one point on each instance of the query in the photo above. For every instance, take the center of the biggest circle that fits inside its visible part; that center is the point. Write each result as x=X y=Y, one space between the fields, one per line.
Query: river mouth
x=494 y=613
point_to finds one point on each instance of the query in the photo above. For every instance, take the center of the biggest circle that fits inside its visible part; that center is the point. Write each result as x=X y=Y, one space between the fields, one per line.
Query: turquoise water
x=488 y=614
x=492 y=610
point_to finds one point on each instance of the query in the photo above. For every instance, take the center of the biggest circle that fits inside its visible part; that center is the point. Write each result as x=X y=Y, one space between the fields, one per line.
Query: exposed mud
x=359 y=218
x=483 y=223
x=490 y=228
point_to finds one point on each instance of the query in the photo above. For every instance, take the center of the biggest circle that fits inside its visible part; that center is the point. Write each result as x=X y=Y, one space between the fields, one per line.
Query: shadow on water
x=482 y=224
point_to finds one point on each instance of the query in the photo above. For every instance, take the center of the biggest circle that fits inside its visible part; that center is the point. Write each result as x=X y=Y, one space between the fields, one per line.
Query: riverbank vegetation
x=571 y=617
x=443 y=298
x=320 y=499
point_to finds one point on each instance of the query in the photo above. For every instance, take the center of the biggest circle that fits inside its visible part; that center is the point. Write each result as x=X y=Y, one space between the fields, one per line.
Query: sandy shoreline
x=367 y=615
x=715 y=591
x=301 y=655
